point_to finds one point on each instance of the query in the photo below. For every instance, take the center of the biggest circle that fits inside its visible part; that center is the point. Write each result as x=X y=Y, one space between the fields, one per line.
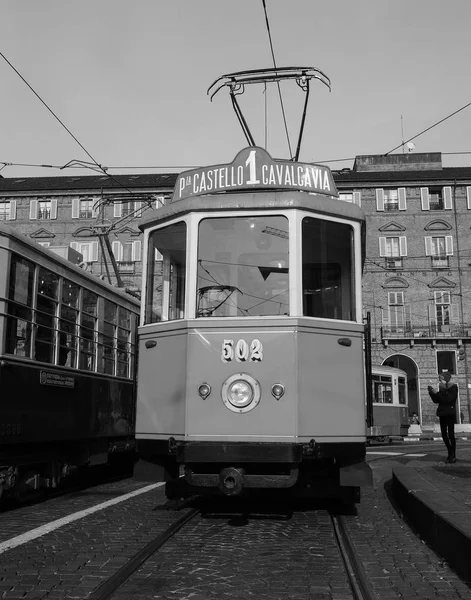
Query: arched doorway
x=400 y=361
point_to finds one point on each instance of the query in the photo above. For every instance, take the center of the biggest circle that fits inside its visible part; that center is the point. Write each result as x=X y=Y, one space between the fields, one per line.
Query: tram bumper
x=275 y=465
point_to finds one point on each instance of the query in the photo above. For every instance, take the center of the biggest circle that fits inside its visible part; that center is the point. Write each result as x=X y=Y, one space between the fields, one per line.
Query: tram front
x=251 y=343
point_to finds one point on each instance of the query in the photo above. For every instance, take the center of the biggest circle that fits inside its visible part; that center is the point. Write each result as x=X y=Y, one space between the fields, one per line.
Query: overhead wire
x=277 y=83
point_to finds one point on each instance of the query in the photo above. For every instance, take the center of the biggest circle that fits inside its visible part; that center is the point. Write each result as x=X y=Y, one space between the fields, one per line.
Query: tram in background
x=67 y=353
x=389 y=402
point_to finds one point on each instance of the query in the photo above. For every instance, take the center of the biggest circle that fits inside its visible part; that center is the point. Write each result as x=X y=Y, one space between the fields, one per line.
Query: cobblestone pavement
x=16 y=521
x=211 y=558
x=239 y=558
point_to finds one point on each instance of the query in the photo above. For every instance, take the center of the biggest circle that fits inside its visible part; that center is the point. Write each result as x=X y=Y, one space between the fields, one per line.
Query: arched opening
x=400 y=361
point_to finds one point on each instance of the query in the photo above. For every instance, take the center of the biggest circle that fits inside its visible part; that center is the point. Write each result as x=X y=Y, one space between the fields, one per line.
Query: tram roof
x=250 y=201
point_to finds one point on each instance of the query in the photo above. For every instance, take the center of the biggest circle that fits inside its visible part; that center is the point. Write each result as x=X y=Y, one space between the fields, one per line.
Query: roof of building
x=88 y=182
x=448 y=174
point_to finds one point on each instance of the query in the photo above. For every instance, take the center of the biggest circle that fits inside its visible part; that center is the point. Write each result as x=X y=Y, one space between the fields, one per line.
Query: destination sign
x=56 y=379
x=254 y=169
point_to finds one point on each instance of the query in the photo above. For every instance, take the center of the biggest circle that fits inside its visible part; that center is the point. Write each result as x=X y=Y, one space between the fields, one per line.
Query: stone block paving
x=398 y=563
x=261 y=558
x=72 y=561
x=17 y=521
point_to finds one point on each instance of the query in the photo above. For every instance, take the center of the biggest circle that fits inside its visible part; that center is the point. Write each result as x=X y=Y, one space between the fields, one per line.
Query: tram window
x=166 y=272
x=243 y=267
x=68 y=319
x=382 y=389
x=46 y=308
x=328 y=276
x=124 y=346
x=20 y=296
x=88 y=323
x=402 y=390
x=108 y=339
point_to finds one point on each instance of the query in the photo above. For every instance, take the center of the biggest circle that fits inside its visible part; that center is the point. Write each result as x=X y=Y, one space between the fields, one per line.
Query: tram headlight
x=241 y=392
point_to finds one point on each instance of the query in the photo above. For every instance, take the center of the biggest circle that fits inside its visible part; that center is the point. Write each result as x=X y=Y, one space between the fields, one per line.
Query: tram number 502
x=241 y=351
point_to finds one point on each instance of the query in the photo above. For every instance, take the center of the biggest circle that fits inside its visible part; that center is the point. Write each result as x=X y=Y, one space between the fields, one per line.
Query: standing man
x=446 y=397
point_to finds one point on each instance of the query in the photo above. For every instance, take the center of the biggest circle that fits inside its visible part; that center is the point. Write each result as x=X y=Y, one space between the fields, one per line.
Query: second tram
x=251 y=364
x=390 y=403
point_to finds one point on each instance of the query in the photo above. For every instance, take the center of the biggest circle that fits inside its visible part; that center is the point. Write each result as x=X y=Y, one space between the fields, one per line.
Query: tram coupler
x=231 y=481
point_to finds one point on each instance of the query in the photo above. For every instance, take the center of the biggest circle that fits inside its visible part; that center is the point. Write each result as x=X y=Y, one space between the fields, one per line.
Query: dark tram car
x=251 y=367
x=67 y=349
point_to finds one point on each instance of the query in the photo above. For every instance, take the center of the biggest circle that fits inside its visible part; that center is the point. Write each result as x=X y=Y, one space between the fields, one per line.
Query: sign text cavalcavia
x=254 y=168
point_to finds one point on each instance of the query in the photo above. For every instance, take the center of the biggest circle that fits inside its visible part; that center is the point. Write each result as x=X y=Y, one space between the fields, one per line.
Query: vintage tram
x=251 y=363
x=67 y=355
x=390 y=404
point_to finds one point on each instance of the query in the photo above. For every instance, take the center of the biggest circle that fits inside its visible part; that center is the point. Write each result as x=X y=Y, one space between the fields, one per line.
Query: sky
x=130 y=81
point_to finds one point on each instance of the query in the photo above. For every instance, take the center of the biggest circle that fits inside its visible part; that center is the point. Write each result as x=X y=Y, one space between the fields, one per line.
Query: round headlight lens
x=240 y=393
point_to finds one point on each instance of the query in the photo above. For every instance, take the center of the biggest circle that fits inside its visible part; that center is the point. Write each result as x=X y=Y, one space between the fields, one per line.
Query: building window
x=436 y=198
x=439 y=248
x=86 y=208
x=393 y=249
x=4 y=211
x=446 y=361
x=397 y=317
x=44 y=209
x=354 y=197
x=89 y=250
x=443 y=310
x=390 y=199
x=127 y=208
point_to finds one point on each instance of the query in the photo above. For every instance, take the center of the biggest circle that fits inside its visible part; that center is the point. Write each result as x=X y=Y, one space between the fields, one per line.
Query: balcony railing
x=426 y=331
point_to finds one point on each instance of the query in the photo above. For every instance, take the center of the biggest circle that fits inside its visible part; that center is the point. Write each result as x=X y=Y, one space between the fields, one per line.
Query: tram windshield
x=243 y=267
x=328 y=275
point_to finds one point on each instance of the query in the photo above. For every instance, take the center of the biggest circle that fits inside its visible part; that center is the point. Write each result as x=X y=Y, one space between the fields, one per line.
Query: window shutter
x=382 y=246
x=117 y=250
x=408 y=316
x=54 y=208
x=379 y=199
x=117 y=209
x=449 y=245
x=33 y=209
x=447 y=197
x=468 y=195
x=385 y=317
x=403 y=245
x=432 y=315
x=138 y=208
x=136 y=251
x=93 y=251
x=74 y=246
x=75 y=208
x=159 y=201
x=12 y=215
x=428 y=245
x=425 y=198
x=402 y=198
x=357 y=198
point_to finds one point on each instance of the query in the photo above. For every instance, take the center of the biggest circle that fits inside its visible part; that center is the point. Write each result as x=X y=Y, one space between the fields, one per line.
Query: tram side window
x=402 y=390
x=68 y=322
x=125 y=350
x=46 y=311
x=109 y=338
x=88 y=325
x=20 y=300
x=328 y=273
x=165 y=285
x=382 y=389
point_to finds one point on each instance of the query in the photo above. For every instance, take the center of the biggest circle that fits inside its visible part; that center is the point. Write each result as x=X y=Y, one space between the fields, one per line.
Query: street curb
x=437 y=516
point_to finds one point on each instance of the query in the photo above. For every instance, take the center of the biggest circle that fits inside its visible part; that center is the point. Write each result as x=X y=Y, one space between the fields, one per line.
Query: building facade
x=86 y=213
x=417 y=273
